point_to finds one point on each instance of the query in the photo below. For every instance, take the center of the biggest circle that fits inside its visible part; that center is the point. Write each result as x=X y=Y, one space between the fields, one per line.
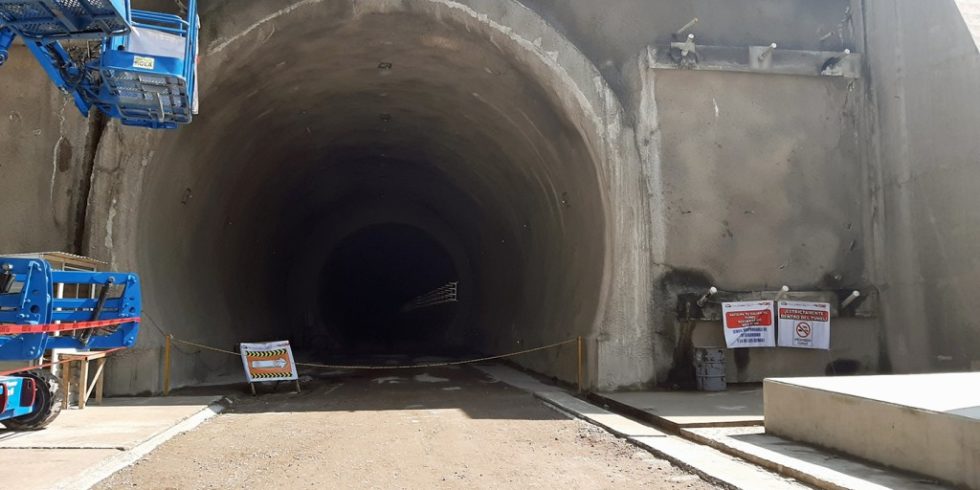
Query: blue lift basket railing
x=33 y=320
x=142 y=69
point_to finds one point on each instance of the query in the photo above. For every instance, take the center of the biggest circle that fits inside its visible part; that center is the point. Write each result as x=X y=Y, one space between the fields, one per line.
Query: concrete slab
x=738 y=406
x=120 y=423
x=804 y=463
x=82 y=447
x=925 y=423
x=37 y=471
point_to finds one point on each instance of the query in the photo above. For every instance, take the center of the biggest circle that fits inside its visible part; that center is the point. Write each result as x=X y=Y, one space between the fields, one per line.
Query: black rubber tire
x=47 y=405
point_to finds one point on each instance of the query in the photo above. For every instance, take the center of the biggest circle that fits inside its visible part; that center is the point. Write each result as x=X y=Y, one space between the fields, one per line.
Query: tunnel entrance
x=367 y=285
x=386 y=154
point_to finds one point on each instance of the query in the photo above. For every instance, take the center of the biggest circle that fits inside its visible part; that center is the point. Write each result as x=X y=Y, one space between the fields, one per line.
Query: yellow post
x=166 y=365
x=581 y=365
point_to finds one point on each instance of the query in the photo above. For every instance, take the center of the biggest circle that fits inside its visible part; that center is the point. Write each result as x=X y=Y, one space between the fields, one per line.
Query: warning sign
x=269 y=361
x=804 y=325
x=749 y=324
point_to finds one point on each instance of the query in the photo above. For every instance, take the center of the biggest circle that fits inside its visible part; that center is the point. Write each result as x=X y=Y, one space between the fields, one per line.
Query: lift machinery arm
x=142 y=71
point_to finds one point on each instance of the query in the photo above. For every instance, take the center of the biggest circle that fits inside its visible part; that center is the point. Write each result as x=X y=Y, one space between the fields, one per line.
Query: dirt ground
x=442 y=428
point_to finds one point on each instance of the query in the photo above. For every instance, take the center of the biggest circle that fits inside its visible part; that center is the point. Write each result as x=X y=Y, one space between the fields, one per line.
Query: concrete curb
x=832 y=473
x=107 y=468
x=710 y=464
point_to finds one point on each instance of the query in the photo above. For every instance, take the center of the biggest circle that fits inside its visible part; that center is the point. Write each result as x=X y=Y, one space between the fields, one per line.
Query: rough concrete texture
x=926 y=423
x=924 y=83
x=528 y=150
x=496 y=142
x=852 y=339
x=43 y=159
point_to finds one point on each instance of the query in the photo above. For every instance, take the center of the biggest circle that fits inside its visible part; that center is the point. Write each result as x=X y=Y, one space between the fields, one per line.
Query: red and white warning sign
x=749 y=324
x=804 y=325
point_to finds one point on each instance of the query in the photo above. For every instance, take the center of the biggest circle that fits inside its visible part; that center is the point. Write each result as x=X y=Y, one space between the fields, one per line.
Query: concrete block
x=925 y=423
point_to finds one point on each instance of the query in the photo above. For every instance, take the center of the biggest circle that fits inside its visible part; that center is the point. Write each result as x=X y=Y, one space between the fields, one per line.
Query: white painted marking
x=452 y=388
x=425 y=378
x=388 y=380
x=273 y=16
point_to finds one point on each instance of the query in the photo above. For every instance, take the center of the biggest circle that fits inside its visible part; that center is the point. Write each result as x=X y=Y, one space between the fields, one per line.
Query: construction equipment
x=33 y=321
x=137 y=66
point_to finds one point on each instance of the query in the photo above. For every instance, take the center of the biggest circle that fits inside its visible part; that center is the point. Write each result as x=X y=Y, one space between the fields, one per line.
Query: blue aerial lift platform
x=33 y=320
x=142 y=71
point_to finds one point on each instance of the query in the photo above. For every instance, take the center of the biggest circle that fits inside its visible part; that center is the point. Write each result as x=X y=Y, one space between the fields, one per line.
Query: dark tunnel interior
x=368 y=284
x=384 y=155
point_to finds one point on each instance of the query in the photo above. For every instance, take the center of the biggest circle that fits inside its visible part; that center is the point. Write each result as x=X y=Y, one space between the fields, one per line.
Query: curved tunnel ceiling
x=340 y=123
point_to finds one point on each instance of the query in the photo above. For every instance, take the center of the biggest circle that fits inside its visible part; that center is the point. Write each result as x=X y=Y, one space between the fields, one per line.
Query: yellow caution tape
x=407 y=366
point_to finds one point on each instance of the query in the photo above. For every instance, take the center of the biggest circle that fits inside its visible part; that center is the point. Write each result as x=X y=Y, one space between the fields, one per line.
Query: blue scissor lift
x=144 y=70
x=34 y=320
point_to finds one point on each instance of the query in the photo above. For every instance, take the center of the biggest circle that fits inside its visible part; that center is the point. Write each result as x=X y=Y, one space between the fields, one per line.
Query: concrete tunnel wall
x=310 y=143
x=579 y=190
x=925 y=89
x=495 y=149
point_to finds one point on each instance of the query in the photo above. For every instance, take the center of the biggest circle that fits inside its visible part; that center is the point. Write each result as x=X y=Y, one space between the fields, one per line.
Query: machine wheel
x=47 y=405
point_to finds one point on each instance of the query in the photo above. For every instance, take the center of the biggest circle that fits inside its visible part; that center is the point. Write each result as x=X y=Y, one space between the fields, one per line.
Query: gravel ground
x=443 y=428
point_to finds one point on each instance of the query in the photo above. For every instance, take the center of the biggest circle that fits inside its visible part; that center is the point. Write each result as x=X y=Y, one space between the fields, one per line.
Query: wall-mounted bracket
x=760 y=57
x=757 y=59
x=700 y=306
x=835 y=65
x=684 y=53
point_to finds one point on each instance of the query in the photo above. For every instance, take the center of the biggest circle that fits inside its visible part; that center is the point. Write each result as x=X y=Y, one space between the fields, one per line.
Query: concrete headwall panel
x=925 y=71
x=928 y=424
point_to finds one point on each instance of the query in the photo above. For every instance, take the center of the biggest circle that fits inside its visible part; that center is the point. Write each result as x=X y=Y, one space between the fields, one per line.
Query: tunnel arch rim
x=591 y=97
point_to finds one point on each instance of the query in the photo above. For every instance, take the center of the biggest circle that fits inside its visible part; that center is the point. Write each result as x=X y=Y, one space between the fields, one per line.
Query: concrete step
x=807 y=464
x=925 y=423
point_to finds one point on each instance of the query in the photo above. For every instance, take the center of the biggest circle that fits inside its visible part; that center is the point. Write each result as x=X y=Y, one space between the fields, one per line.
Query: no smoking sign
x=804 y=325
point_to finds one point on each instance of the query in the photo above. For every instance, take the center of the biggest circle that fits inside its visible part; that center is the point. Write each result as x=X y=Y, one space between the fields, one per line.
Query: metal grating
x=62 y=18
x=140 y=96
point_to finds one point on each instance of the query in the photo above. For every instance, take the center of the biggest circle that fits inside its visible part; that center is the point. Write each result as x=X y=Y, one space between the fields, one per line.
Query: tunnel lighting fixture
x=680 y=32
x=704 y=299
x=850 y=299
x=767 y=53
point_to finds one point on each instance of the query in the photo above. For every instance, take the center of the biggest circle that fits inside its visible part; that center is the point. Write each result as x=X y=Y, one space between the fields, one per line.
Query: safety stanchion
x=166 y=364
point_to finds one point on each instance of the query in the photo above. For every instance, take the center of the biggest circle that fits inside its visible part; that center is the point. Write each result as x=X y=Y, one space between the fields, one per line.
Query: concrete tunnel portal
x=347 y=163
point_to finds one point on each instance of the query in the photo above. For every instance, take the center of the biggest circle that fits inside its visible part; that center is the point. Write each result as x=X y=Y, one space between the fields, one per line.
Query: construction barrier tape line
x=15 y=329
x=407 y=366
